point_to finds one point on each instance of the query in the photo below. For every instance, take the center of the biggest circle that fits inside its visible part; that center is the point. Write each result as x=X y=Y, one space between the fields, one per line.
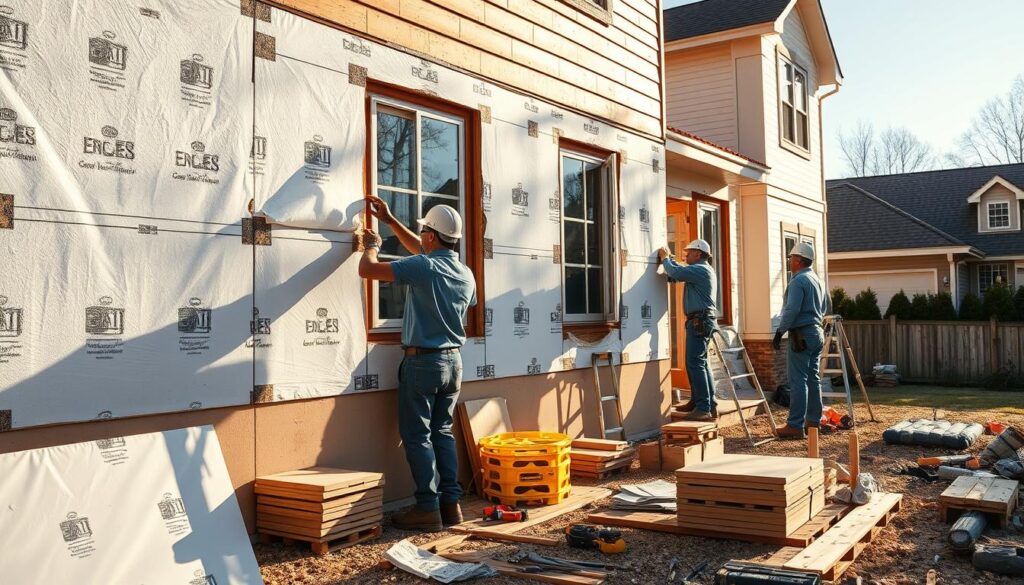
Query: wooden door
x=678 y=237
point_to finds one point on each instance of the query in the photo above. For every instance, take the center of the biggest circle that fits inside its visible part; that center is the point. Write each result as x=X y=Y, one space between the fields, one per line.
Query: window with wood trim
x=998 y=215
x=992 y=274
x=600 y=10
x=421 y=152
x=793 y=104
x=590 y=267
x=709 y=229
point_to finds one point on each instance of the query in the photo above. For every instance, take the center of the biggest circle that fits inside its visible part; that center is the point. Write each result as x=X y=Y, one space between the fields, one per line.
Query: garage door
x=885 y=284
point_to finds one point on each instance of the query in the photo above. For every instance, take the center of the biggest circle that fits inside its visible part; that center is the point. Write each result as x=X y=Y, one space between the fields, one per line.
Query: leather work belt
x=411 y=351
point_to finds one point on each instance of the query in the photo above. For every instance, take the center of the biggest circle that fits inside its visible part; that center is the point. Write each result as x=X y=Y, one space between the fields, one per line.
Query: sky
x=928 y=65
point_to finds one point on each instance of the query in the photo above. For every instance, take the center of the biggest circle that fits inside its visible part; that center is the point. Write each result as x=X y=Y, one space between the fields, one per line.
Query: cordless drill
x=503 y=513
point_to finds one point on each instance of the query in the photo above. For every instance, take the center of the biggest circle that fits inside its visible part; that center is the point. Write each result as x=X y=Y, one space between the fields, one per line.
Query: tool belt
x=414 y=351
x=703 y=322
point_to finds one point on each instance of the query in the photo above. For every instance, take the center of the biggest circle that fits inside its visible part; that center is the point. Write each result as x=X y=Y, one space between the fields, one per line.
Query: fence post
x=892 y=339
x=993 y=329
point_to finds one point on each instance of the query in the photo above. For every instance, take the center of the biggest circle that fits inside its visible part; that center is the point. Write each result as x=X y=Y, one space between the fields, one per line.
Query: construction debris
x=1006 y=445
x=734 y=573
x=408 y=557
x=599 y=463
x=655 y=496
x=964 y=533
x=1003 y=560
x=885 y=375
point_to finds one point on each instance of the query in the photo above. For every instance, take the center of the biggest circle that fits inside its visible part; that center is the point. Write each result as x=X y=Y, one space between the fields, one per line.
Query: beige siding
x=545 y=47
x=791 y=171
x=998 y=193
x=701 y=93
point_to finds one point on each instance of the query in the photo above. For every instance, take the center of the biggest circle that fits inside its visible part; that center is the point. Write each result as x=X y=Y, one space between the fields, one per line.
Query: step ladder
x=837 y=359
x=723 y=349
x=602 y=398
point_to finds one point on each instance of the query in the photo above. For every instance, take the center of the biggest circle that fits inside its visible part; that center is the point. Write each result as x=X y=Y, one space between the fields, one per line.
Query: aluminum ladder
x=837 y=349
x=602 y=398
x=723 y=349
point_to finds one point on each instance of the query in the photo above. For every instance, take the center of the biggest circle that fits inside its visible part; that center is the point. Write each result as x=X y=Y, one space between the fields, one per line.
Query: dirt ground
x=902 y=553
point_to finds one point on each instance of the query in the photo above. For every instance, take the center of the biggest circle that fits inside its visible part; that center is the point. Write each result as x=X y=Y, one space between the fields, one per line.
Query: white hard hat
x=700 y=245
x=804 y=250
x=444 y=220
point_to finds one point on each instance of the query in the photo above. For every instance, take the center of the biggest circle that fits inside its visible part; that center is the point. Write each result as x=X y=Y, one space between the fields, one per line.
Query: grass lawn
x=949 y=398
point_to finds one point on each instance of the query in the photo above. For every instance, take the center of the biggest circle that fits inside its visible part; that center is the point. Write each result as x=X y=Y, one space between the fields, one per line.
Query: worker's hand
x=379 y=209
x=777 y=340
x=663 y=253
x=371 y=239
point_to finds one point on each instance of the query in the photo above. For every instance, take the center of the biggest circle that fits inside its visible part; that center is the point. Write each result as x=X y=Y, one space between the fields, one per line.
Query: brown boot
x=416 y=519
x=700 y=415
x=788 y=432
x=688 y=407
x=451 y=514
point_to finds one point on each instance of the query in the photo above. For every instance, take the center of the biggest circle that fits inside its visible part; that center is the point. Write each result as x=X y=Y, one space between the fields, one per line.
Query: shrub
x=919 y=307
x=866 y=306
x=971 y=309
x=998 y=303
x=899 y=305
x=940 y=307
x=1018 y=300
x=842 y=305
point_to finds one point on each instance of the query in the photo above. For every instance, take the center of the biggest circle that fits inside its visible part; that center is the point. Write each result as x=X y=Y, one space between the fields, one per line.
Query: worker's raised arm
x=379 y=209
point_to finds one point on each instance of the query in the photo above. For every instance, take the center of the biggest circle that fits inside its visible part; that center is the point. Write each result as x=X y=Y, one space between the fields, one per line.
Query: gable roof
x=936 y=198
x=711 y=16
x=996 y=180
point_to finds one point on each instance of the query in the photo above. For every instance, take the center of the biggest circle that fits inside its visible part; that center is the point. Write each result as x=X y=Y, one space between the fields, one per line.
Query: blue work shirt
x=439 y=291
x=806 y=301
x=701 y=284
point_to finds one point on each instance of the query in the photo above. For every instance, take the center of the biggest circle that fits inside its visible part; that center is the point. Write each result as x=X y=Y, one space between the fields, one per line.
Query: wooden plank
x=286 y=524
x=313 y=497
x=505 y=568
x=577 y=454
x=286 y=533
x=318 y=516
x=318 y=480
x=760 y=469
x=484 y=534
x=599 y=444
x=322 y=506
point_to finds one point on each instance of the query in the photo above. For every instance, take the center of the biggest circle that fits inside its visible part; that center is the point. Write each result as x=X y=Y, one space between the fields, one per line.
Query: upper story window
x=991 y=274
x=793 y=104
x=998 y=215
x=600 y=10
x=589 y=269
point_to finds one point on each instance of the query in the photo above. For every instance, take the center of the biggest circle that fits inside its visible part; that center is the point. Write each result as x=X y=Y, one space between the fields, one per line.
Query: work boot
x=788 y=432
x=417 y=519
x=688 y=407
x=700 y=415
x=451 y=514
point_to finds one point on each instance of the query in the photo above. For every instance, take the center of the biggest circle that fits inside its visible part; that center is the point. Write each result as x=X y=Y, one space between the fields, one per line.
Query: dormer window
x=999 y=215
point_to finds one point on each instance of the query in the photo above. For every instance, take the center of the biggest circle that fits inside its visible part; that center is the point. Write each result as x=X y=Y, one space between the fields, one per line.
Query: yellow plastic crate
x=526 y=467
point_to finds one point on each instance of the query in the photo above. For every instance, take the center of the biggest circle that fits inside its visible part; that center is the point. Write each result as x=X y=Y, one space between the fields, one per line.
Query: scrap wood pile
x=600 y=458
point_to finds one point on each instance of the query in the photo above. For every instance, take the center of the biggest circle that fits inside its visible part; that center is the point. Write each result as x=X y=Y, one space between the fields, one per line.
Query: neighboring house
x=744 y=85
x=146 y=295
x=954 y=231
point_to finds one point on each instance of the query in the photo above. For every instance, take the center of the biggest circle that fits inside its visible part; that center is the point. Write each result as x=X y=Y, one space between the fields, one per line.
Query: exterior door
x=678 y=236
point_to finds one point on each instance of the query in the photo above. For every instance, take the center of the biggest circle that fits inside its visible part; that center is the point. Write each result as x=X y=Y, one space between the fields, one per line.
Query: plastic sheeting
x=157 y=509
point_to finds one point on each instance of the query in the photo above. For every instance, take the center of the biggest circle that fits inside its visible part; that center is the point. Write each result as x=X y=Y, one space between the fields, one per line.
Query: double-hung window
x=998 y=215
x=793 y=105
x=992 y=274
x=589 y=211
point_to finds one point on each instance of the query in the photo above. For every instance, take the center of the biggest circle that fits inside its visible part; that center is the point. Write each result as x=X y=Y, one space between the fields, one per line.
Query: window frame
x=722 y=264
x=595 y=324
x=602 y=14
x=993 y=267
x=471 y=180
x=988 y=215
x=783 y=84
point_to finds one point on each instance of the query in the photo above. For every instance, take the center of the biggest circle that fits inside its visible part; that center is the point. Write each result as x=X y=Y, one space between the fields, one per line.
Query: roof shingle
x=711 y=16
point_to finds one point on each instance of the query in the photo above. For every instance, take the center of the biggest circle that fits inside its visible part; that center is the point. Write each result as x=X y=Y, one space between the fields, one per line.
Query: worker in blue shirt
x=439 y=291
x=699 y=305
x=802 y=316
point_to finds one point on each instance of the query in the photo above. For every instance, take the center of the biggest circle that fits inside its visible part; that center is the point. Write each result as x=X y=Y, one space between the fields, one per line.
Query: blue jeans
x=702 y=383
x=804 y=378
x=428 y=388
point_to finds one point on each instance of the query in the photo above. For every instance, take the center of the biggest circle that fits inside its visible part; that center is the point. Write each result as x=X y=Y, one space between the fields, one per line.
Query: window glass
x=396 y=150
x=990 y=274
x=709 y=229
x=585 y=235
x=789 y=240
x=999 y=215
x=440 y=142
x=794 y=99
x=572 y=187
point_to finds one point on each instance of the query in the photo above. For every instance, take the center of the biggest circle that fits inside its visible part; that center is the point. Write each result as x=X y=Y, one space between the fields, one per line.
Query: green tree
x=919 y=308
x=899 y=305
x=941 y=308
x=842 y=304
x=1018 y=300
x=998 y=303
x=866 y=306
x=971 y=309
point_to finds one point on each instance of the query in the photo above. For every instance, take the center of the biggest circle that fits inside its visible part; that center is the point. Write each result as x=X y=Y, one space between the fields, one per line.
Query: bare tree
x=996 y=135
x=894 y=150
x=857 y=147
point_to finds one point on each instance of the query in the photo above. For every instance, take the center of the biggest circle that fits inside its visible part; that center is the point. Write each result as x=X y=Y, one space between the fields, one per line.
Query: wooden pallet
x=994 y=497
x=324 y=546
x=689 y=432
x=837 y=549
x=599 y=475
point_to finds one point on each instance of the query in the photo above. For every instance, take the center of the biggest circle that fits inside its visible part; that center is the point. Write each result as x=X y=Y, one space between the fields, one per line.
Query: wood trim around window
x=725 y=268
x=473 y=213
x=781 y=53
x=602 y=15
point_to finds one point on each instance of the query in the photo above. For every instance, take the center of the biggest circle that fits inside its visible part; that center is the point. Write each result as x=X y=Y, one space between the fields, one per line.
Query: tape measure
x=606 y=540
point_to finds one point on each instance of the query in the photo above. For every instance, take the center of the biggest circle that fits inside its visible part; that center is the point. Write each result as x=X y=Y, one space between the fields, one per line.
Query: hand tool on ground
x=738 y=573
x=672 y=570
x=538 y=559
x=503 y=513
x=944 y=460
x=606 y=540
x=695 y=572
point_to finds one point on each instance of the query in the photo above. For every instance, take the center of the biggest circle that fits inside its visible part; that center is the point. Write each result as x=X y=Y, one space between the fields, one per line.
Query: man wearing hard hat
x=699 y=305
x=802 y=316
x=439 y=291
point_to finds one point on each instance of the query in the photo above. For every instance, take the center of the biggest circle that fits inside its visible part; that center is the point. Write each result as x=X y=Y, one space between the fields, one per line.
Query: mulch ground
x=913 y=543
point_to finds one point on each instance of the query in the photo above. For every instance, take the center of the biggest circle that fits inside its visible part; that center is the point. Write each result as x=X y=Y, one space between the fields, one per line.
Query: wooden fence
x=938 y=352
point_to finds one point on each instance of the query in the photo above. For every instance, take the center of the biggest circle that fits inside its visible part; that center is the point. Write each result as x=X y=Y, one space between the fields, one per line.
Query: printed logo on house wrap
x=521 y=320
x=258 y=328
x=199 y=164
x=482 y=89
x=533 y=367
x=113 y=151
x=10 y=330
x=194 y=324
x=172 y=512
x=13 y=41
x=488 y=321
x=317 y=158
x=258 y=155
x=485 y=371
x=520 y=201
x=592 y=127
x=108 y=61
x=645 y=219
x=624 y=316
x=485 y=196
x=555 y=207
x=202 y=578
x=367 y=382
x=17 y=141
x=622 y=213
x=531 y=107
x=196 y=82
x=107 y=321
x=322 y=327
x=425 y=71
x=645 y=315
x=357 y=46
x=555 y=319
x=78 y=537
x=113 y=450
x=557 y=115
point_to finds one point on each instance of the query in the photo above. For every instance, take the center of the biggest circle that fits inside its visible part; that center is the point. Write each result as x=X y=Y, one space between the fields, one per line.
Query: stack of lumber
x=682 y=443
x=326 y=507
x=750 y=494
x=995 y=497
x=599 y=458
x=689 y=432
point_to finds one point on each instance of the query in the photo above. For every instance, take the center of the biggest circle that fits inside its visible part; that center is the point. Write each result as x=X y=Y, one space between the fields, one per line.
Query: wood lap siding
x=544 y=47
x=702 y=86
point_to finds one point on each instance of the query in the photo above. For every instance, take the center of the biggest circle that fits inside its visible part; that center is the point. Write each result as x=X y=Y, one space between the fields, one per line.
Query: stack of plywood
x=599 y=458
x=329 y=508
x=750 y=494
